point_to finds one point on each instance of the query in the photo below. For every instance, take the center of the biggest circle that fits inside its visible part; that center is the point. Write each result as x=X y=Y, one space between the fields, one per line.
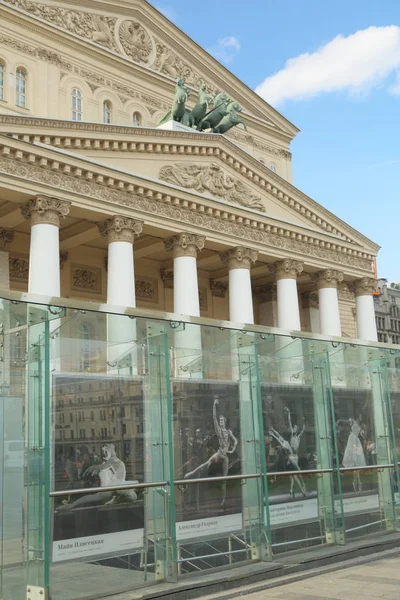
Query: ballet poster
x=207 y=445
x=98 y=424
x=290 y=448
x=356 y=440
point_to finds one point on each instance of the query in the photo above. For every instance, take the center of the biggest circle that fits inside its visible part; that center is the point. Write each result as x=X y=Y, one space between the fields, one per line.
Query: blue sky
x=341 y=87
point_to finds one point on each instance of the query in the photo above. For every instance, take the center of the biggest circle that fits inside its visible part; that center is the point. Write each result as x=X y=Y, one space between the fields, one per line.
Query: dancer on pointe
x=354 y=453
x=292 y=449
x=225 y=437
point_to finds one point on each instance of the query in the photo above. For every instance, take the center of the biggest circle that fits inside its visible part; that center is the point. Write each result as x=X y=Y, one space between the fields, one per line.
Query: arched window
x=273 y=168
x=107 y=112
x=20 y=88
x=84 y=335
x=137 y=119
x=2 y=78
x=76 y=105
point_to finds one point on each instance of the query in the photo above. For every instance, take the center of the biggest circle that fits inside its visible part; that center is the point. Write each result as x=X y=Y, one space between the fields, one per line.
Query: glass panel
x=297 y=424
x=364 y=440
x=12 y=456
x=108 y=432
x=218 y=515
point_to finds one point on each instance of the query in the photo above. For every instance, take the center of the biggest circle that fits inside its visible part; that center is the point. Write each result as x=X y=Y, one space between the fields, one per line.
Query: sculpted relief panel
x=86 y=25
x=125 y=36
x=136 y=42
x=212 y=179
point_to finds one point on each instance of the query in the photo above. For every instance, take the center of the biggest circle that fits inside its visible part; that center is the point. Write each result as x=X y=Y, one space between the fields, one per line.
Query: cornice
x=208 y=65
x=84 y=181
x=145 y=140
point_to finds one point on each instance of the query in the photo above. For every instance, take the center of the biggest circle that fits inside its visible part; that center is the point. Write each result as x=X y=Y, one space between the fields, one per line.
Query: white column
x=288 y=352
x=188 y=354
x=286 y=272
x=44 y=257
x=328 y=281
x=184 y=247
x=239 y=261
x=365 y=312
x=120 y=232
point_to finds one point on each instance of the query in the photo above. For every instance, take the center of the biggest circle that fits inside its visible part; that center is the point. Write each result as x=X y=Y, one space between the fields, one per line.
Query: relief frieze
x=146 y=289
x=129 y=38
x=181 y=215
x=99 y=29
x=85 y=279
x=211 y=178
x=19 y=267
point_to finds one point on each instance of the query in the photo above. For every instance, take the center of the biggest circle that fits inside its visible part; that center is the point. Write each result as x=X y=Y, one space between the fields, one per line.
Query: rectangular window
x=20 y=89
x=2 y=73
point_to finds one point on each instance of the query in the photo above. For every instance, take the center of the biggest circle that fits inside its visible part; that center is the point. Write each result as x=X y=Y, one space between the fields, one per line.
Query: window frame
x=21 y=78
x=3 y=74
x=138 y=122
x=107 y=112
x=77 y=104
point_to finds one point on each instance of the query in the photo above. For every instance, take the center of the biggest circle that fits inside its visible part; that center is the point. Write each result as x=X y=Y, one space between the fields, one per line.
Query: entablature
x=27 y=169
x=107 y=142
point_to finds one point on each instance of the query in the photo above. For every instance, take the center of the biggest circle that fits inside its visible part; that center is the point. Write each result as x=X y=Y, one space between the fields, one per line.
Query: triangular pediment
x=137 y=32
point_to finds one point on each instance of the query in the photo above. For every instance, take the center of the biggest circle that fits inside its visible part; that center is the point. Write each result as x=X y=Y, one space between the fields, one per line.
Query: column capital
x=167 y=277
x=239 y=257
x=120 y=229
x=266 y=292
x=185 y=244
x=287 y=268
x=218 y=288
x=310 y=300
x=6 y=237
x=364 y=286
x=45 y=210
x=328 y=278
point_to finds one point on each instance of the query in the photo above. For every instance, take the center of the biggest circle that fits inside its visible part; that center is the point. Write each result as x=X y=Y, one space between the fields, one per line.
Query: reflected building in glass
x=190 y=373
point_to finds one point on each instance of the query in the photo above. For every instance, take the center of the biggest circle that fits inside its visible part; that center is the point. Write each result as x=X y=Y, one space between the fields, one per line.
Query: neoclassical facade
x=99 y=202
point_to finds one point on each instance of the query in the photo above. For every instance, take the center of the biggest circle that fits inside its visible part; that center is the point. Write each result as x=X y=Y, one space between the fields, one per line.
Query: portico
x=210 y=273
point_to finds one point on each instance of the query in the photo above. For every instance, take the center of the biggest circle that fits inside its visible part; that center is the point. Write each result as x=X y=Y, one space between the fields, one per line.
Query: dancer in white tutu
x=292 y=451
x=354 y=454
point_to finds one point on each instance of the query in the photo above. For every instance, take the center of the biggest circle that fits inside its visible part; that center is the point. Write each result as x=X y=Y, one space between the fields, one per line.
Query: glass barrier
x=136 y=449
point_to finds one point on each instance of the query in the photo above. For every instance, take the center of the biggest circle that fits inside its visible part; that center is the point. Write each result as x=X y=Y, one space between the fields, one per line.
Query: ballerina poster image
x=289 y=445
x=98 y=444
x=355 y=433
x=206 y=441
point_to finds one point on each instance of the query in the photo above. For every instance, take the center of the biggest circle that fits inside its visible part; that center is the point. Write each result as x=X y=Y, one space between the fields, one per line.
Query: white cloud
x=225 y=49
x=355 y=64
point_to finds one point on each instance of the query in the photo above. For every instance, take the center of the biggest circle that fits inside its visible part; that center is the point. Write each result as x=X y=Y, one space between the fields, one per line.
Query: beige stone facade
x=84 y=86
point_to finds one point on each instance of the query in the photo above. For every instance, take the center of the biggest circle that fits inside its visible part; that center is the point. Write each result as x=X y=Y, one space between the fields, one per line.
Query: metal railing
x=194 y=481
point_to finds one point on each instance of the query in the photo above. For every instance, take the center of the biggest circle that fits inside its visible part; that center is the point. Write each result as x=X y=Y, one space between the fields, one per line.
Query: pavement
x=377 y=579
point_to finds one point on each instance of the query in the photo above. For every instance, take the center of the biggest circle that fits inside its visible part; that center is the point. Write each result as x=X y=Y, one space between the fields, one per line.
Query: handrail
x=194 y=481
x=208 y=479
x=367 y=468
x=110 y=488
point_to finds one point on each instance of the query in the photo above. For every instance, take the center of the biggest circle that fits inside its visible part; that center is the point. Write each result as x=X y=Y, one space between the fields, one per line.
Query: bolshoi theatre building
x=190 y=374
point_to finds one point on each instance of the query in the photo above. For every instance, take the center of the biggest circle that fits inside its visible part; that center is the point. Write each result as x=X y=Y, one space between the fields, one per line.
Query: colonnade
x=44 y=273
